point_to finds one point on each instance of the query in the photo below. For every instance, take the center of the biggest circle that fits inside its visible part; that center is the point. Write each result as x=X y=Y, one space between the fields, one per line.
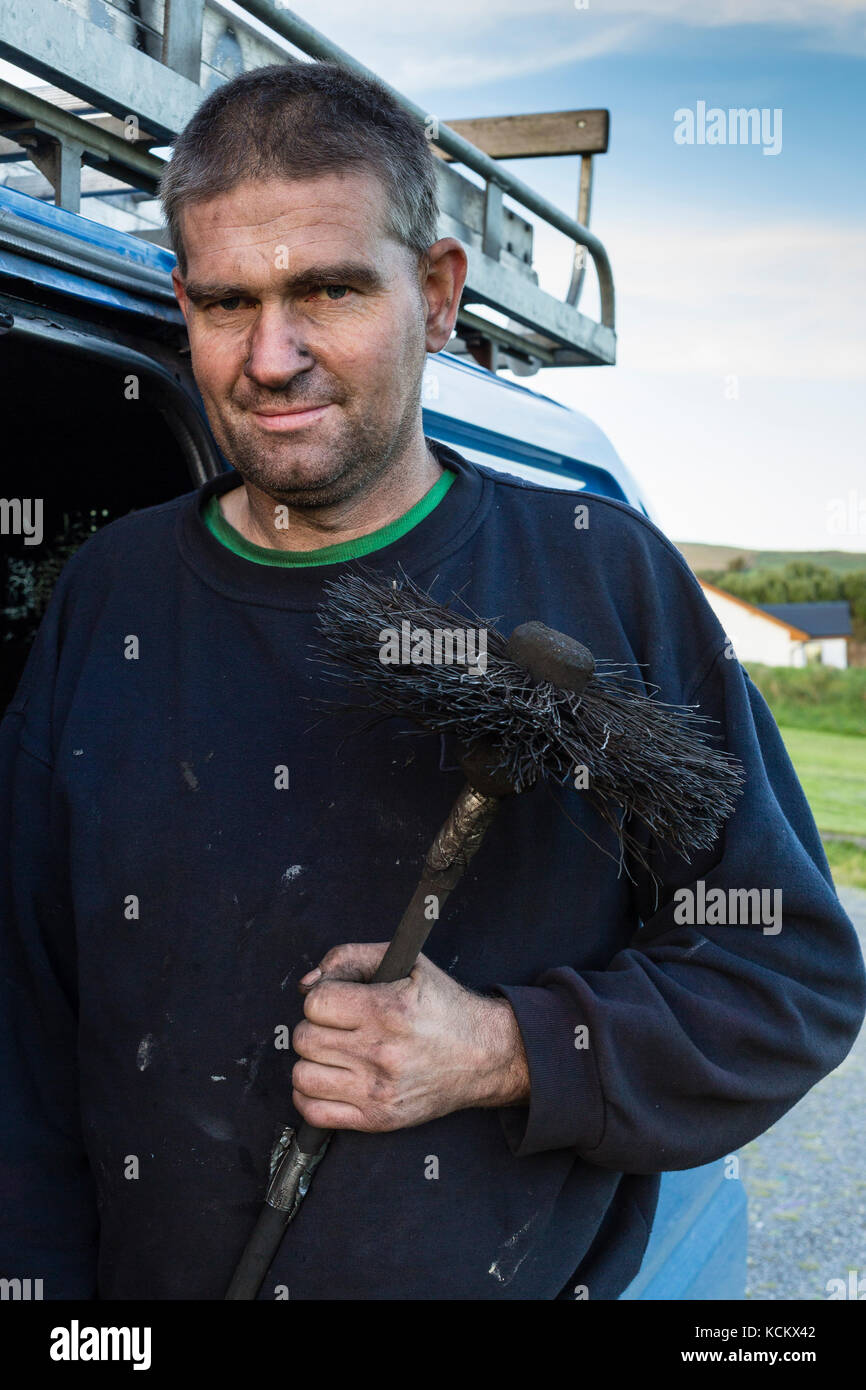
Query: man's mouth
x=295 y=419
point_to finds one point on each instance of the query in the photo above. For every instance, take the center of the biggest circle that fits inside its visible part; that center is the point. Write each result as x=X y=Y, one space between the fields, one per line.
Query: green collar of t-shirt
x=327 y=554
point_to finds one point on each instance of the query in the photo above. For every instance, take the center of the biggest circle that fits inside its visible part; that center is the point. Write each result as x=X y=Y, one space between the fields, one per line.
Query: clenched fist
x=378 y=1057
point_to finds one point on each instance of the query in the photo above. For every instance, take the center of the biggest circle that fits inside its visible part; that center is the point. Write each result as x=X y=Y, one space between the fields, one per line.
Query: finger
x=332 y=1046
x=358 y=961
x=318 y=1082
x=338 y=1004
x=328 y=1114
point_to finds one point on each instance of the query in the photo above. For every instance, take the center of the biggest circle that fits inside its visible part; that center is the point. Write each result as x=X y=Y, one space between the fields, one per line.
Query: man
x=203 y=868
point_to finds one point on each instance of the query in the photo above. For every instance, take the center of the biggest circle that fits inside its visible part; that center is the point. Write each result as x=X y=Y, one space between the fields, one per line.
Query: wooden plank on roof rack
x=540 y=133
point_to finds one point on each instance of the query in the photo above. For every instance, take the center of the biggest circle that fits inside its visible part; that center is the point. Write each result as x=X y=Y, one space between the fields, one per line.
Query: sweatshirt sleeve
x=699 y=1036
x=48 y=1221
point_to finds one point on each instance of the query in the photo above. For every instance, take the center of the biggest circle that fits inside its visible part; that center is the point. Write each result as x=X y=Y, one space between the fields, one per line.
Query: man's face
x=307 y=329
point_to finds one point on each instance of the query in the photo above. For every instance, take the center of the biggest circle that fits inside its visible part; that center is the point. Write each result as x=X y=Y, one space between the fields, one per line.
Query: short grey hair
x=300 y=120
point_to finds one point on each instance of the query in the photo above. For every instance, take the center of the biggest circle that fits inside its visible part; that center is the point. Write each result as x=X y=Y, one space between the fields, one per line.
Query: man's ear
x=441 y=285
x=179 y=292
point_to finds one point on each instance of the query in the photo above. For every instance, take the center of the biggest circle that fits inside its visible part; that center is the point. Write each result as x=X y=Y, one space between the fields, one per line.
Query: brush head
x=540 y=708
x=551 y=656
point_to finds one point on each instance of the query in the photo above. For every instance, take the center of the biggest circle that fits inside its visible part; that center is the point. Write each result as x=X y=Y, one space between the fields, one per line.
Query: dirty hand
x=377 y=1057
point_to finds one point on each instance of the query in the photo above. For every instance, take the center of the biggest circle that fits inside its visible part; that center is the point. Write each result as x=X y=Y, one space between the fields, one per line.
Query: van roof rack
x=121 y=87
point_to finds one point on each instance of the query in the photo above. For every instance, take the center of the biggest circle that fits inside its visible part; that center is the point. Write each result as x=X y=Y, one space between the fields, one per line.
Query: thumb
x=358 y=961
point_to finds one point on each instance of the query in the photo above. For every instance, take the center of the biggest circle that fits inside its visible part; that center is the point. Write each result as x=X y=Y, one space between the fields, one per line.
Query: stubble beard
x=358 y=459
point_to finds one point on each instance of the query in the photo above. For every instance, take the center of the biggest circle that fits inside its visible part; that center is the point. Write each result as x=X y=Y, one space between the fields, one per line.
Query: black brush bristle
x=645 y=759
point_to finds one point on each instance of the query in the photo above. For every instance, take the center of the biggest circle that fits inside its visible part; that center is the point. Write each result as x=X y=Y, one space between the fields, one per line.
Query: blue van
x=84 y=312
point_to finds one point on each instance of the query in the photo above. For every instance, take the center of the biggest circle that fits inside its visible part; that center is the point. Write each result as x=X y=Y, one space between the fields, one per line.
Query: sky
x=739 y=396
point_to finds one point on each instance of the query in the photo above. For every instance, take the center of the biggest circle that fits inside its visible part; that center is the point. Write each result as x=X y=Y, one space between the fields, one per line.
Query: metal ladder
x=128 y=83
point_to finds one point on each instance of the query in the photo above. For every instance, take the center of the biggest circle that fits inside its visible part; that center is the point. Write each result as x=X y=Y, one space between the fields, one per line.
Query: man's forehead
x=322 y=214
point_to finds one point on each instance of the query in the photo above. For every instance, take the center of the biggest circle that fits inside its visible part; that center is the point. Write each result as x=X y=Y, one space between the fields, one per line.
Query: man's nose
x=277 y=349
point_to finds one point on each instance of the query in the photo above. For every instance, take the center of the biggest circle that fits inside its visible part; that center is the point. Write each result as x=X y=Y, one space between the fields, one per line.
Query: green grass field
x=847 y=863
x=832 y=770
x=814 y=697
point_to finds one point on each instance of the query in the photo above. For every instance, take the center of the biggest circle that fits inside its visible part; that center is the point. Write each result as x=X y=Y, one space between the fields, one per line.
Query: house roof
x=798 y=633
x=816 y=619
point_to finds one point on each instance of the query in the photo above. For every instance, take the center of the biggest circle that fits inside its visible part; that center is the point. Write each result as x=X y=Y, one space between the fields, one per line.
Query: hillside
x=717 y=557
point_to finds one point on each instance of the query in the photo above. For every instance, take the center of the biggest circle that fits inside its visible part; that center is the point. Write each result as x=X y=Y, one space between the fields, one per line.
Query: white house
x=783 y=634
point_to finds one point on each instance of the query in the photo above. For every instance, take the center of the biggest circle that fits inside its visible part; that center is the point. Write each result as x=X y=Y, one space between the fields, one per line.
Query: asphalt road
x=806 y=1180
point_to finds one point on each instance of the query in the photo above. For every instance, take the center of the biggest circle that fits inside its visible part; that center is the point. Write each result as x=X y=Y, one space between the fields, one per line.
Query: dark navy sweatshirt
x=185 y=836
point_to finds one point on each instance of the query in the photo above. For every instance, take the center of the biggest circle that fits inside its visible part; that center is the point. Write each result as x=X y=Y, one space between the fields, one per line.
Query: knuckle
x=381 y=1091
x=313 y=1111
x=379 y=1117
x=319 y=1002
x=300 y=1074
x=399 y=1003
x=333 y=957
x=300 y=1102
x=386 y=1057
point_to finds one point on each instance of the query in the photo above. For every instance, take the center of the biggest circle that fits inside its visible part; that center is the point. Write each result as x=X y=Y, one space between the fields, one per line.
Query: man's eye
x=230 y=303
x=333 y=292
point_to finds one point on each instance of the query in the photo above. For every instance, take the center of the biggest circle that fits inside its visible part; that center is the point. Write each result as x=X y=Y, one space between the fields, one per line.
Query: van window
x=522 y=460
x=535 y=473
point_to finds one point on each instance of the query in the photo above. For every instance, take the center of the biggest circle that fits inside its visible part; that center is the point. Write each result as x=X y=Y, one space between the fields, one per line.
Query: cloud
x=473 y=41
x=830 y=25
x=476 y=14
x=720 y=13
x=478 y=41
x=462 y=67
x=779 y=299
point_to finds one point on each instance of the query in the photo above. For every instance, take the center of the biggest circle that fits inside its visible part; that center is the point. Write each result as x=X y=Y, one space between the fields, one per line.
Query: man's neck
x=251 y=511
